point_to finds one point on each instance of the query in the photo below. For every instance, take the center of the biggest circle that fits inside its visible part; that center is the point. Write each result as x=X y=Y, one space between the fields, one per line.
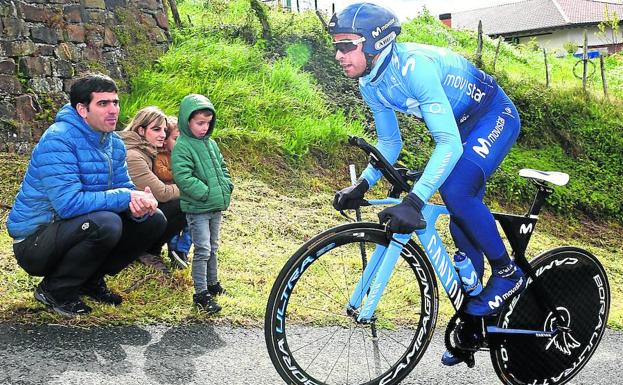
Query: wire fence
x=323 y=6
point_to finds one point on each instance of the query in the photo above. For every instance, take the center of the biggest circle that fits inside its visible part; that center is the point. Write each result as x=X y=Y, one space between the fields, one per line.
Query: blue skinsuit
x=473 y=122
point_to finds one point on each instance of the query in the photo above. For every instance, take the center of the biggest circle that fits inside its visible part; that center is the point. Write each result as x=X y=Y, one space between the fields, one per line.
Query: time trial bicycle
x=358 y=305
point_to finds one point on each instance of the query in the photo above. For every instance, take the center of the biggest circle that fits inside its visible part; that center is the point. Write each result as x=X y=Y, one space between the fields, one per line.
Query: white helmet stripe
x=355 y=17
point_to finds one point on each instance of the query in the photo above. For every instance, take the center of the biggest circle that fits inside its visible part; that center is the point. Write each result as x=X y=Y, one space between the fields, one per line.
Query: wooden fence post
x=585 y=62
x=175 y=13
x=546 y=68
x=479 y=46
x=322 y=20
x=257 y=7
x=604 y=81
x=497 y=50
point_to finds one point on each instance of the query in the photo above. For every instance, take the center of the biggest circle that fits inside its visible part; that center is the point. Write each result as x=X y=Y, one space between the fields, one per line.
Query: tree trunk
x=175 y=13
x=322 y=20
x=257 y=7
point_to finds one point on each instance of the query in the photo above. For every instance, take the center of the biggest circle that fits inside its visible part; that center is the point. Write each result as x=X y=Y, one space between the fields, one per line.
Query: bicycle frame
x=377 y=272
x=382 y=261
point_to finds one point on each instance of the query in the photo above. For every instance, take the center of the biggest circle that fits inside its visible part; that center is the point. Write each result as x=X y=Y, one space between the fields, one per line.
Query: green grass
x=274 y=102
x=263 y=227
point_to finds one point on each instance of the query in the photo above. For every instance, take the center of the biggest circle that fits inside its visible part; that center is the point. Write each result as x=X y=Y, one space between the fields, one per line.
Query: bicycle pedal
x=470 y=361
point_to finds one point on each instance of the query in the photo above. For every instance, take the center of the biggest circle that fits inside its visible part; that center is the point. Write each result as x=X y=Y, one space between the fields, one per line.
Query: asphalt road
x=203 y=354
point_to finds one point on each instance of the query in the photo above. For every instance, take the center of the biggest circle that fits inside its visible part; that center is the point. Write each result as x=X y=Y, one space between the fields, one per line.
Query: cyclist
x=472 y=121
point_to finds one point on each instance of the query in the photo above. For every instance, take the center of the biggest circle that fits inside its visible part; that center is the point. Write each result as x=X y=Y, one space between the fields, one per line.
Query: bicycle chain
x=465 y=356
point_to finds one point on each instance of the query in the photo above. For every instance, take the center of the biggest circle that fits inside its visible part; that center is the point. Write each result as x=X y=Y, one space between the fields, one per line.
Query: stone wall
x=45 y=44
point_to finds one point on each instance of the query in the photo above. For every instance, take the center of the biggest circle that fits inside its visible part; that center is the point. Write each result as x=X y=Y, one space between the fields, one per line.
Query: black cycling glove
x=351 y=196
x=406 y=216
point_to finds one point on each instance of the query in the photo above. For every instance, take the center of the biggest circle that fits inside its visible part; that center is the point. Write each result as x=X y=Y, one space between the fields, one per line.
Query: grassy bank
x=288 y=93
x=266 y=223
x=284 y=111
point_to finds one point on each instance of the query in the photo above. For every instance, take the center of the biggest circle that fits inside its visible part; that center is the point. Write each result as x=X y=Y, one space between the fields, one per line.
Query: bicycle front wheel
x=578 y=288
x=310 y=336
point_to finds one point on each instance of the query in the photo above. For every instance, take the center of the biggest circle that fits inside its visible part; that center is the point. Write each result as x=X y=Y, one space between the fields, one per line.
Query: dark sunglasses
x=346 y=46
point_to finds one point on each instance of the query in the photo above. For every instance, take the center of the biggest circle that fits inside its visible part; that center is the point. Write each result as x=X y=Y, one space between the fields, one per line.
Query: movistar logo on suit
x=459 y=82
x=483 y=148
x=485 y=144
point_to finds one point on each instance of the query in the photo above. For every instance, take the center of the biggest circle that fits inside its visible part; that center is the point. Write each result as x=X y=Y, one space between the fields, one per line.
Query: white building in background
x=553 y=23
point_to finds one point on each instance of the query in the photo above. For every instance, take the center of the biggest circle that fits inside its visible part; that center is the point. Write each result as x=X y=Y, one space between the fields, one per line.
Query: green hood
x=190 y=104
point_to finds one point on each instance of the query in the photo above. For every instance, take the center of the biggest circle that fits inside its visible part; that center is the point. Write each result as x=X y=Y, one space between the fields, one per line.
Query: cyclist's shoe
x=448 y=359
x=179 y=259
x=70 y=307
x=216 y=289
x=503 y=285
x=206 y=302
x=98 y=291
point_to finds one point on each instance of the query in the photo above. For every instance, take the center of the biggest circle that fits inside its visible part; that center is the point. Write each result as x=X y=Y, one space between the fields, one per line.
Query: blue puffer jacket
x=73 y=170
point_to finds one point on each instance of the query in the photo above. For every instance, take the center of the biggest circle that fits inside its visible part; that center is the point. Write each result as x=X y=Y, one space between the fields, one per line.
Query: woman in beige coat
x=142 y=137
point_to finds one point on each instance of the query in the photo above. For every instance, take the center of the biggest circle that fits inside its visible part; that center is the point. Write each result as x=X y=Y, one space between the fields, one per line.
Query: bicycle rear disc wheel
x=578 y=287
x=310 y=337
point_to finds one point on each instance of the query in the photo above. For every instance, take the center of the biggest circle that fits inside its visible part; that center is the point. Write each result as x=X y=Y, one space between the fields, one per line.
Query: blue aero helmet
x=377 y=25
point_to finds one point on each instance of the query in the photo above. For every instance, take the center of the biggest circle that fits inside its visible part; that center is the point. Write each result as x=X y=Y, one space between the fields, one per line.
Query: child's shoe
x=179 y=259
x=216 y=289
x=206 y=302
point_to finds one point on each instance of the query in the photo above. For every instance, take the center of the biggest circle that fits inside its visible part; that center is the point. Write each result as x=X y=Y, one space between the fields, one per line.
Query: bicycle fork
x=374 y=279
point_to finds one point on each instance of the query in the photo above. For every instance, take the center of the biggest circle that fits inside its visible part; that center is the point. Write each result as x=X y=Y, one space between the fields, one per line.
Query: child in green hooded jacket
x=205 y=187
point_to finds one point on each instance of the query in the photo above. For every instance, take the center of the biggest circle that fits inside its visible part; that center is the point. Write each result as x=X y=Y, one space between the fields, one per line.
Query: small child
x=205 y=187
x=179 y=244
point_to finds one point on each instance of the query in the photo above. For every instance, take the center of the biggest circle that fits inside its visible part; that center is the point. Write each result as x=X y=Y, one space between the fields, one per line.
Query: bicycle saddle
x=555 y=177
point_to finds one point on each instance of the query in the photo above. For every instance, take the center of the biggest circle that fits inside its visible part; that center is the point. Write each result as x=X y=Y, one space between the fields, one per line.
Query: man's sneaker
x=503 y=285
x=68 y=308
x=98 y=291
x=216 y=289
x=205 y=301
x=179 y=259
x=156 y=262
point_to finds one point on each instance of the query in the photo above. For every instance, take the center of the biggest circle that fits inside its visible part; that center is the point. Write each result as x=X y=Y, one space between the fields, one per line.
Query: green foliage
x=263 y=93
x=299 y=54
x=609 y=27
x=531 y=45
x=566 y=131
x=275 y=102
x=570 y=47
